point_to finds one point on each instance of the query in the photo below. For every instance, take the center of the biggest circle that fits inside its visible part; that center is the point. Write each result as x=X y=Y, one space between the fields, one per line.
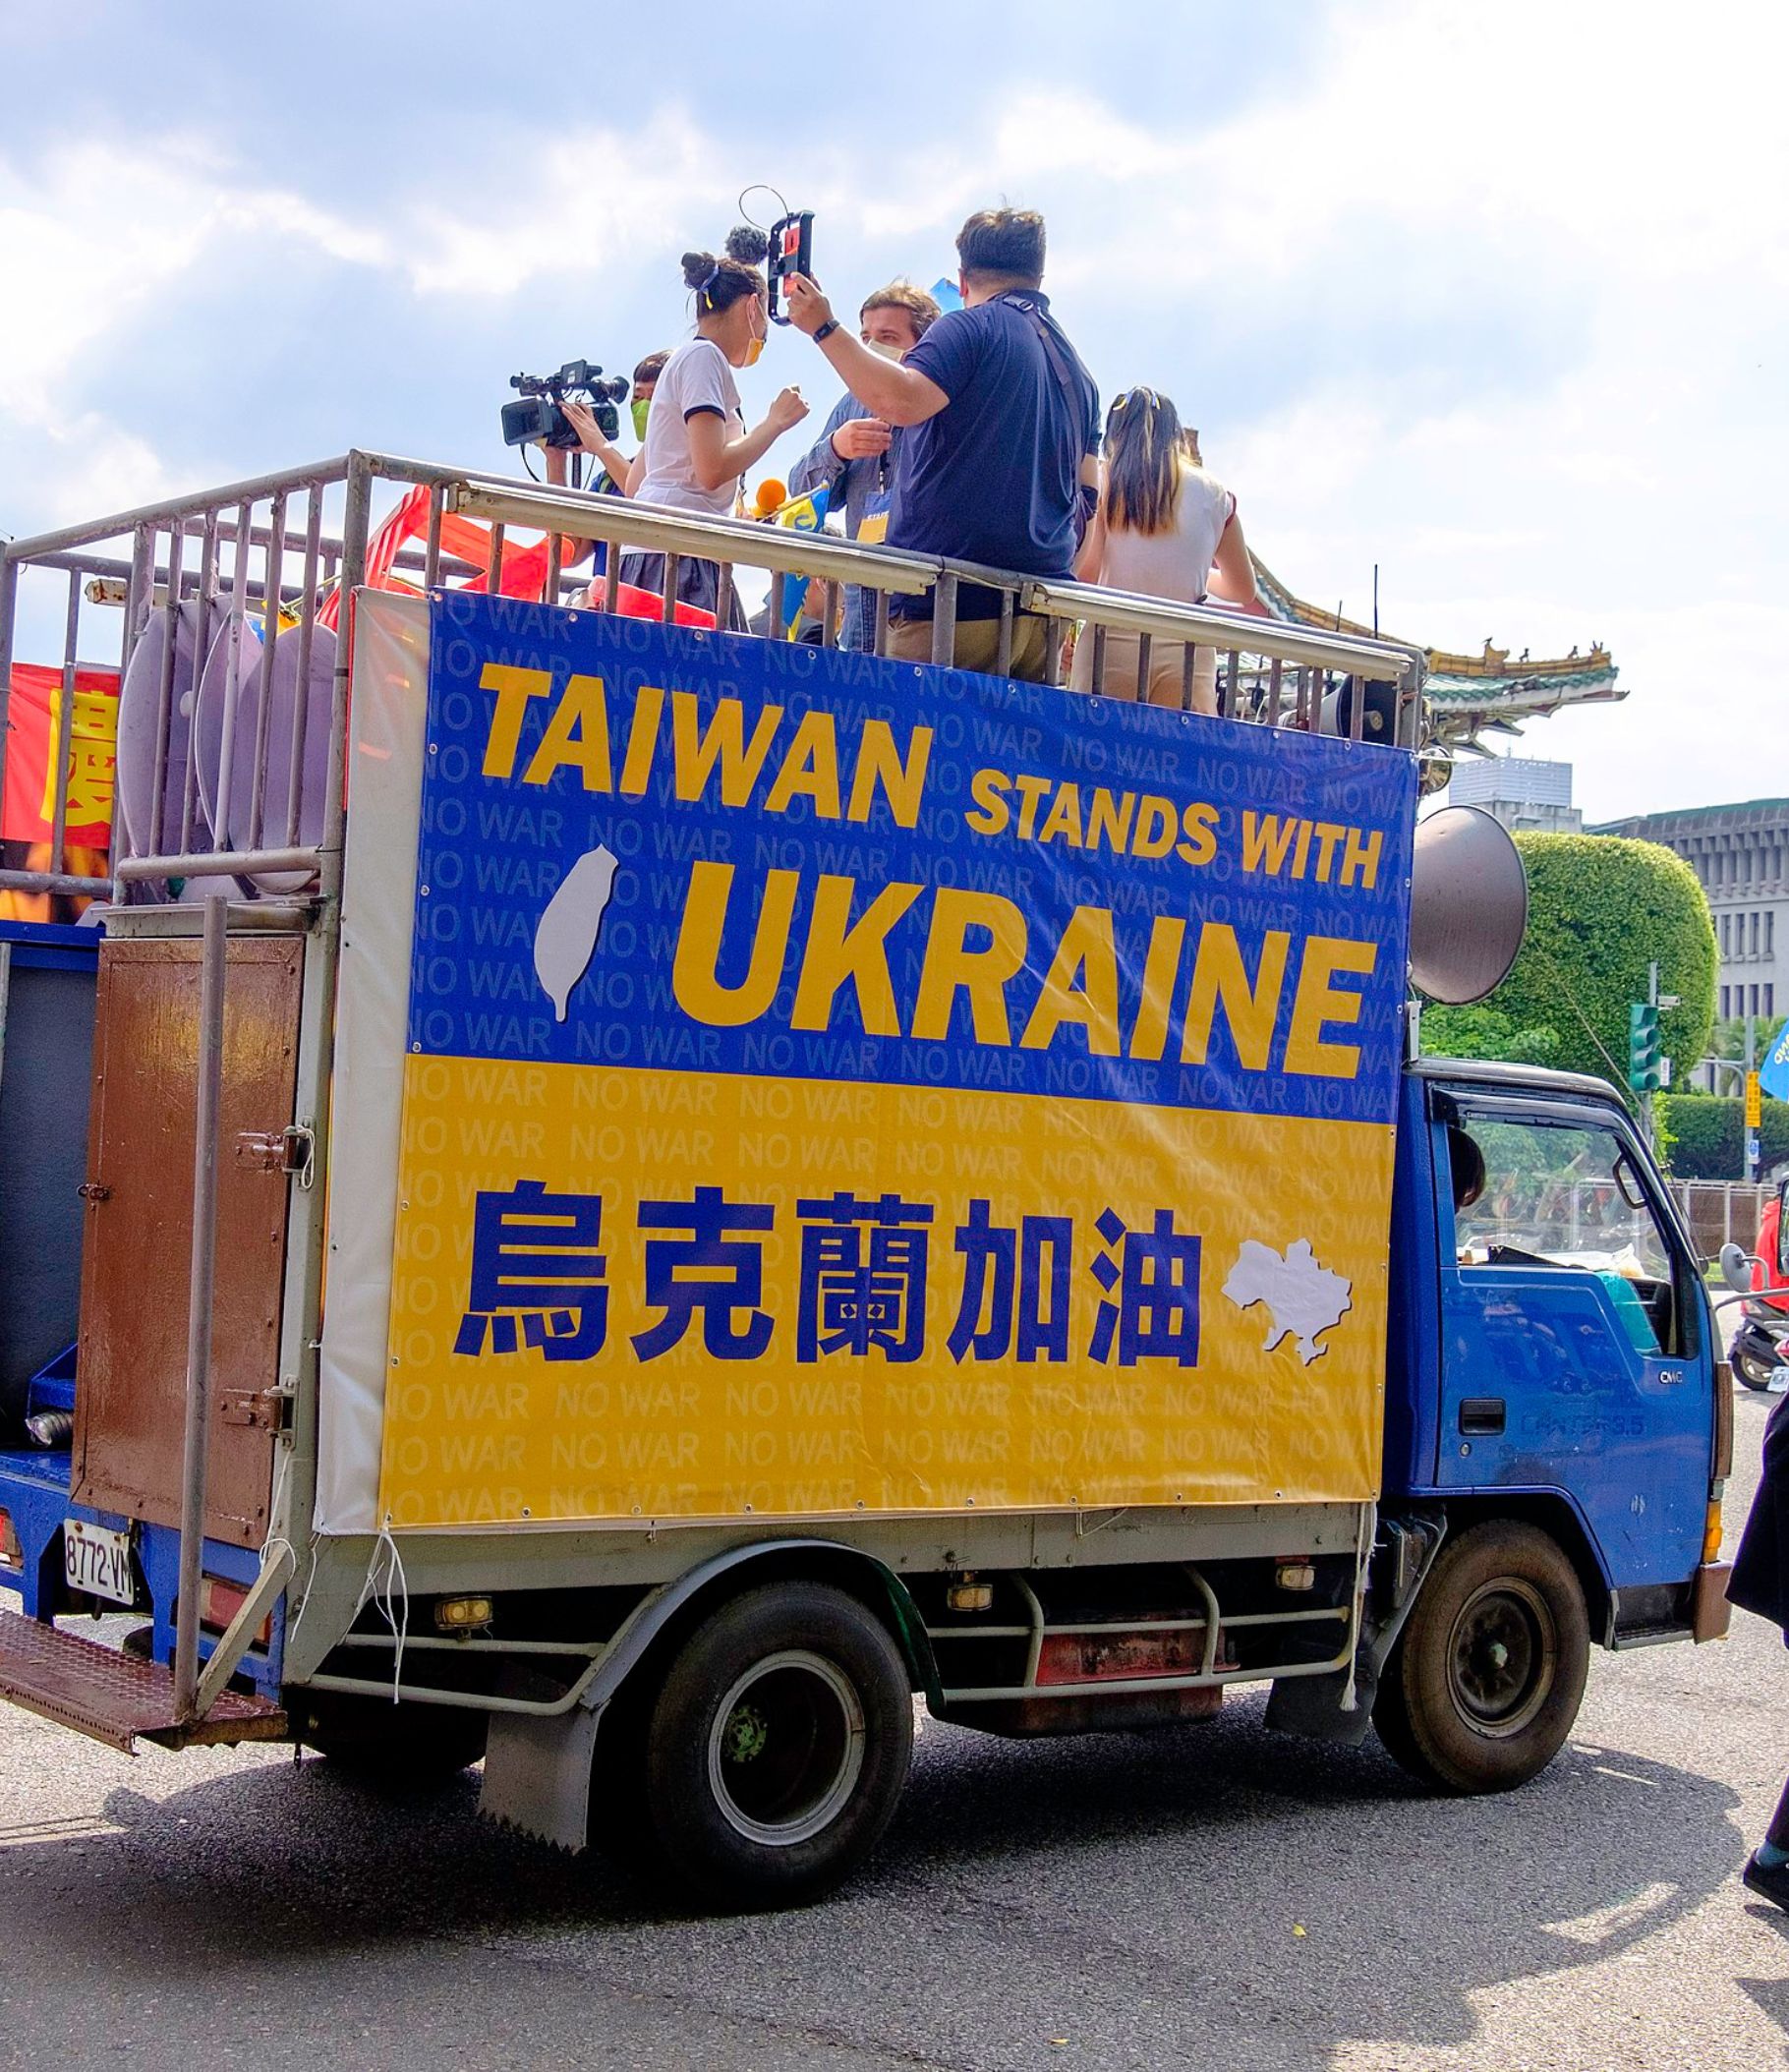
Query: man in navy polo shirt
x=1003 y=435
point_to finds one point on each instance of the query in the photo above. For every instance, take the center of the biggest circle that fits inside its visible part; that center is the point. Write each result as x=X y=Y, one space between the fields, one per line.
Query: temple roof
x=1471 y=695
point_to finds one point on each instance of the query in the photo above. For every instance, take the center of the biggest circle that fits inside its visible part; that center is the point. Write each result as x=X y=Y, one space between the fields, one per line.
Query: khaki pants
x=977 y=644
x=1167 y=661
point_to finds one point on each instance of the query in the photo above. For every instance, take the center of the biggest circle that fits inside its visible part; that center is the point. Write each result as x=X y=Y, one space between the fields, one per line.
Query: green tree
x=1600 y=909
x=1483 y=1032
x=1729 y=1038
x=1708 y=1135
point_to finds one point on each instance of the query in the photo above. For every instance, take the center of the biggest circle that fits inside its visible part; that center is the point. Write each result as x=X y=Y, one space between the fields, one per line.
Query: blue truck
x=718 y=1186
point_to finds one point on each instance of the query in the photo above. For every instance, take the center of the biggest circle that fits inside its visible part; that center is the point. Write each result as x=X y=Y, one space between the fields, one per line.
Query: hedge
x=1600 y=907
x=1706 y=1134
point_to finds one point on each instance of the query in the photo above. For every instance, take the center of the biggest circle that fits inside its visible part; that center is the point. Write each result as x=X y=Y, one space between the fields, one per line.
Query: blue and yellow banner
x=838 y=1085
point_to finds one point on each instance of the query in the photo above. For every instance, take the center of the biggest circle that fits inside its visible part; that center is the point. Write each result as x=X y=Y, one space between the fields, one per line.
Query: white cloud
x=99 y=230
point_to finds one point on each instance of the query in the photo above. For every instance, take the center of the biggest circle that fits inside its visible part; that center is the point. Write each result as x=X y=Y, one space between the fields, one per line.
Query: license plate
x=97 y=1560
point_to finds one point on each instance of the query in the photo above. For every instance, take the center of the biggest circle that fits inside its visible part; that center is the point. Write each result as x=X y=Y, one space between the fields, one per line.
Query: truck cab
x=1554 y=1392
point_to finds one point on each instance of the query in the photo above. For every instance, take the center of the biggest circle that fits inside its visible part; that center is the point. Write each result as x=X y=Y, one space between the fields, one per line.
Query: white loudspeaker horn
x=1469 y=906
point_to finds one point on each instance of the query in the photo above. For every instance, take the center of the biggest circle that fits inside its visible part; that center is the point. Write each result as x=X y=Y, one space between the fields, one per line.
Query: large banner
x=836 y=1085
x=27 y=802
x=28 y=808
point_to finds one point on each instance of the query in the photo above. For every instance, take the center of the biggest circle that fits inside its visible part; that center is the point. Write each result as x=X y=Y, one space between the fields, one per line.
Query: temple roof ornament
x=1472 y=695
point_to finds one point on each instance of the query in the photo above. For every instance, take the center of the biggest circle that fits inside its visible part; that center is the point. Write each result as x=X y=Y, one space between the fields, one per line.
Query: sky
x=1494 y=298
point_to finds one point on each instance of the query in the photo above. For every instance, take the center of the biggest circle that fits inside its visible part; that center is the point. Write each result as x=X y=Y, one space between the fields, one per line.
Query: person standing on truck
x=1001 y=436
x=697 y=444
x=1759 y=1584
x=853 y=460
x=1161 y=526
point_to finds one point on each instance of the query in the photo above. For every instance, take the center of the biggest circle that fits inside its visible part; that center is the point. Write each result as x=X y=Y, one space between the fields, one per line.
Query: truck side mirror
x=1736 y=1269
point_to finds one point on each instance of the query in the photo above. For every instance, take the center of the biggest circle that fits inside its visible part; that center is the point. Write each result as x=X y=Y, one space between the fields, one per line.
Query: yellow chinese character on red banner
x=92 y=758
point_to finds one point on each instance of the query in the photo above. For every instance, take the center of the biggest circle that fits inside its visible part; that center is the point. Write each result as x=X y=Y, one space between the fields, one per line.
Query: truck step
x=116 y=1697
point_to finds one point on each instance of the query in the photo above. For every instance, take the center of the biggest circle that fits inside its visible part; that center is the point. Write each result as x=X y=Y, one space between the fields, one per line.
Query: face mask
x=754 y=350
x=888 y=351
x=641 y=405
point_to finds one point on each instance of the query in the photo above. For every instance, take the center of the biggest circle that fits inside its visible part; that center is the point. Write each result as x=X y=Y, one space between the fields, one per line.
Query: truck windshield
x=1562 y=1192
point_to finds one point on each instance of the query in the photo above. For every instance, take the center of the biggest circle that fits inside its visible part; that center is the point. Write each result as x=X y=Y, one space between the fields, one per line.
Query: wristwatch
x=826 y=330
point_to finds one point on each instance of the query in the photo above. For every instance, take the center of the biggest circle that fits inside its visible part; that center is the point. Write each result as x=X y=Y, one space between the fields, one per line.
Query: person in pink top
x=1162 y=527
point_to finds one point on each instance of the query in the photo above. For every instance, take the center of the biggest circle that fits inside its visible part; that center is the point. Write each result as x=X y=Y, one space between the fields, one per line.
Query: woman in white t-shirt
x=1163 y=528
x=697 y=445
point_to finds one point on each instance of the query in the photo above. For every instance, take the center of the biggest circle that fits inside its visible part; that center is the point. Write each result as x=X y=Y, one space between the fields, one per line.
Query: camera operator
x=1002 y=436
x=852 y=459
x=618 y=472
x=697 y=444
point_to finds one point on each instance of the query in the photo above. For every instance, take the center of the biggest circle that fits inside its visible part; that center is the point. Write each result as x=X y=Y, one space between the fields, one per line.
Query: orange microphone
x=771 y=496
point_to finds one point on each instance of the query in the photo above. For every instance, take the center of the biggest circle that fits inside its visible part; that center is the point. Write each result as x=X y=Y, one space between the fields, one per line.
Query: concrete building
x=1521 y=791
x=1741 y=854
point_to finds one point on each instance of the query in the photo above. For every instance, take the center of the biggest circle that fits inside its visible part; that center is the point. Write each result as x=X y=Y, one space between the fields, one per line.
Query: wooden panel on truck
x=131 y=1408
x=831 y=1086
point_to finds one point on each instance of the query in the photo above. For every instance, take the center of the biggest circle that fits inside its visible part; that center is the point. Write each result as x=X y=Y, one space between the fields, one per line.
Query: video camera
x=537 y=414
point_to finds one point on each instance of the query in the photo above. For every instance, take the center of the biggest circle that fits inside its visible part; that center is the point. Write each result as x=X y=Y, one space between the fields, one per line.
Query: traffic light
x=1645 y=1060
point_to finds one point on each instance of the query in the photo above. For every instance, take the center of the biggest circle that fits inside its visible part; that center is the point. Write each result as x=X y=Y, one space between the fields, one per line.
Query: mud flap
x=536 y=1773
x=1311 y=1706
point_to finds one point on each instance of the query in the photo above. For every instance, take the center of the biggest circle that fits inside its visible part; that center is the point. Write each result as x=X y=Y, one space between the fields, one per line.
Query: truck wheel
x=775 y=1747
x=400 y=1746
x=1755 y=1374
x=1486 y=1678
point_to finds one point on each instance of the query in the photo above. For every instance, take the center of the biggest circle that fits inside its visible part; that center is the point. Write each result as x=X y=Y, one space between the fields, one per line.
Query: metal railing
x=1719 y=1212
x=300 y=538
x=290 y=548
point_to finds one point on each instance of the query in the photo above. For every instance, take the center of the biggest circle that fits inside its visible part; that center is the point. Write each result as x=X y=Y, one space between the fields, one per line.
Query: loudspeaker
x=1378 y=719
x=1469 y=906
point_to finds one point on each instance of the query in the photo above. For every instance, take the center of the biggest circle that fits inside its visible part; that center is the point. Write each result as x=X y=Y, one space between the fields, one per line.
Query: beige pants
x=977 y=644
x=1167 y=663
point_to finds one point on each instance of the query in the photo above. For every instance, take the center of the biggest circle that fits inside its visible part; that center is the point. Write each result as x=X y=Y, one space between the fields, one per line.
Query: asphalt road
x=1210 y=1896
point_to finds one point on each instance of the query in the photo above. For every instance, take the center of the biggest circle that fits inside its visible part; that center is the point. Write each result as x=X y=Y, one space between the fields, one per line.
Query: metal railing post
x=307 y=635
x=273 y=569
x=208 y=584
x=200 y=1282
x=355 y=525
x=943 y=622
x=65 y=729
x=164 y=694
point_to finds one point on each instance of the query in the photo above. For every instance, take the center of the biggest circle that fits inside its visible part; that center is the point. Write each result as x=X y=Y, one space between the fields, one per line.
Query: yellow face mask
x=754 y=345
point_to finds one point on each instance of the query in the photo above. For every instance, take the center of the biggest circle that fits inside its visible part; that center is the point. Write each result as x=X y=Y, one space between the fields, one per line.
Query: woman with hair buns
x=697 y=445
x=1162 y=527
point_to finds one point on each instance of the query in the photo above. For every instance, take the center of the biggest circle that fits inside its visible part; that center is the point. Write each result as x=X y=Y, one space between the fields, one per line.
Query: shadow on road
x=1210 y=1890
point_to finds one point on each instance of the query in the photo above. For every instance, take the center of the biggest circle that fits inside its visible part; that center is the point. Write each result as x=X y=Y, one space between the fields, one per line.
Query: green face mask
x=641 y=405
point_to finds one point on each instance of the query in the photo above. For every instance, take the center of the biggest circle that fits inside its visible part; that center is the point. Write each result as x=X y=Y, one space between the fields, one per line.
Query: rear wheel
x=1485 y=1681
x=775 y=1747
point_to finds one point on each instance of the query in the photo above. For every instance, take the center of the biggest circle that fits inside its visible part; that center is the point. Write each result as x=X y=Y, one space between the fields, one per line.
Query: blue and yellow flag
x=801 y=514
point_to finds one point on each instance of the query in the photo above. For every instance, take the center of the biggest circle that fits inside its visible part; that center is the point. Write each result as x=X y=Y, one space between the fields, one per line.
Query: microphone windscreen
x=772 y=495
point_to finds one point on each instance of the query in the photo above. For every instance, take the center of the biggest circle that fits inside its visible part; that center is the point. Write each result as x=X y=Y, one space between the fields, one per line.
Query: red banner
x=28 y=805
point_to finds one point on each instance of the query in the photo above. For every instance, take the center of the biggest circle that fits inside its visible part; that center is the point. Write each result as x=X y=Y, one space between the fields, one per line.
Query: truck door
x=130 y=1405
x=1573 y=1329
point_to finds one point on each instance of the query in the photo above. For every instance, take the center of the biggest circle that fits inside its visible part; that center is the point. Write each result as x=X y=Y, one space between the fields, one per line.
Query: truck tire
x=1485 y=1680
x=1755 y=1374
x=402 y=1746
x=775 y=1747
